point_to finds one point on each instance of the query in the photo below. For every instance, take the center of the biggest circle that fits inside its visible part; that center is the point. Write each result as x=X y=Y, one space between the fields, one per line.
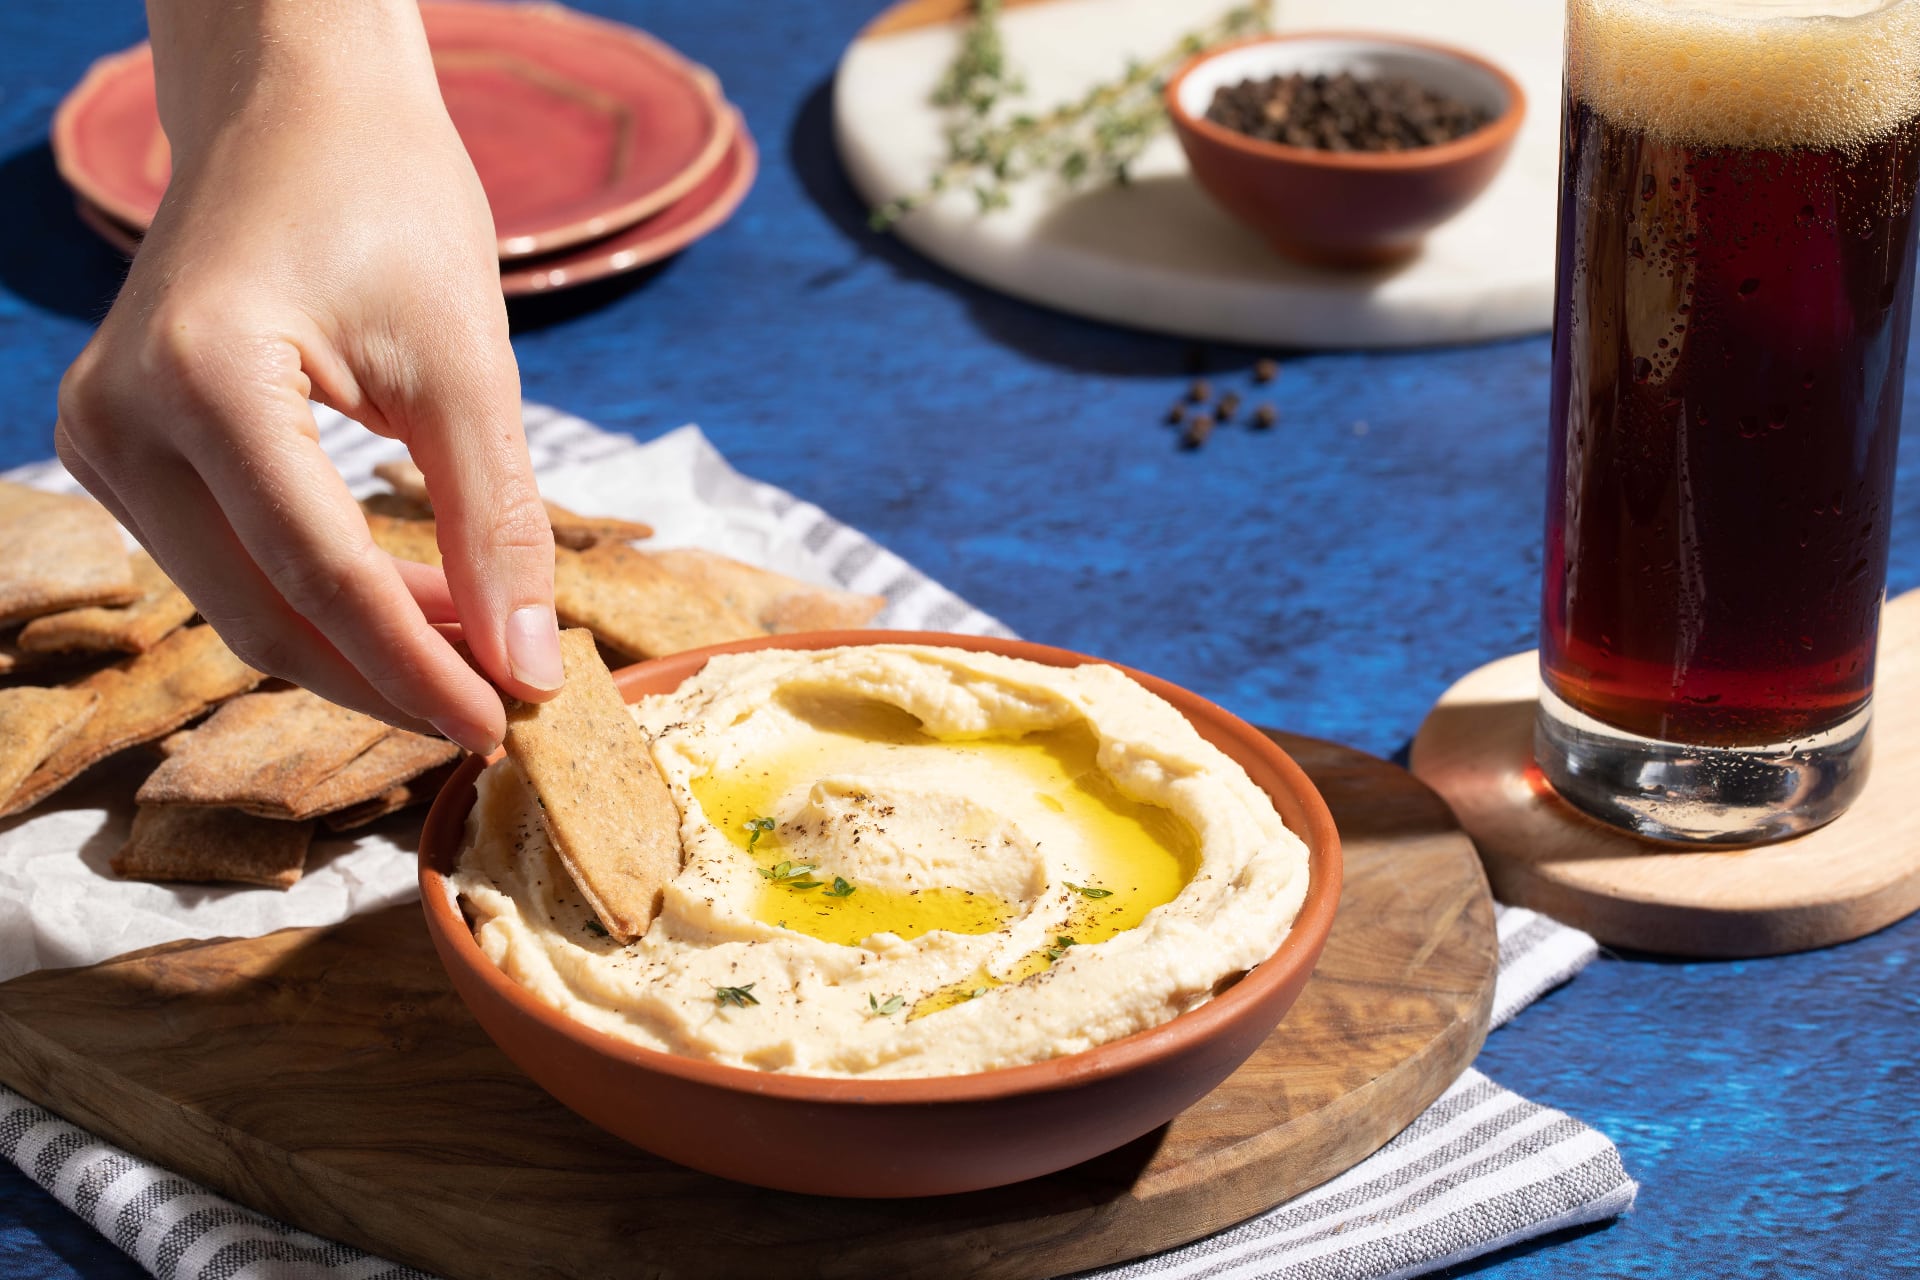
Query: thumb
x=497 y=545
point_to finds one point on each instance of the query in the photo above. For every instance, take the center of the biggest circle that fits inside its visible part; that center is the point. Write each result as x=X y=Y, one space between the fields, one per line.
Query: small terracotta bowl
x=896 y=1137
x=1343 y=208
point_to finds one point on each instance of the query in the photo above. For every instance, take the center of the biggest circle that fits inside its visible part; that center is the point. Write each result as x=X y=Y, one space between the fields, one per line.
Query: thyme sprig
x=738 y=997
x=884 y=1008
x=992 y=143
x=792 y=875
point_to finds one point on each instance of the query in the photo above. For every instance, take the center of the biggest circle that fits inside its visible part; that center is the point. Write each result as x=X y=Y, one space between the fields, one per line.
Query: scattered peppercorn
x=1265 y=416
x=1176 y=416
x=1200 y=392
x=1229 y=405
x=1265 y=371
x=1197 y=431
x=1344 y=112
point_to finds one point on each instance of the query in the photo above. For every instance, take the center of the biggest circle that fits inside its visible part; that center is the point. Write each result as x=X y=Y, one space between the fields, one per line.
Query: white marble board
x=1158 y=254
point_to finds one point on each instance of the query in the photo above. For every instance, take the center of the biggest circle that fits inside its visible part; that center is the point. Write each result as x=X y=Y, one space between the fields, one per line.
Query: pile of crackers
x=100 y=654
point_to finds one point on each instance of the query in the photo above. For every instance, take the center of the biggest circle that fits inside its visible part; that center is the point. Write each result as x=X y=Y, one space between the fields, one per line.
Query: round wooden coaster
x=331 y=1077
x=1859 y=873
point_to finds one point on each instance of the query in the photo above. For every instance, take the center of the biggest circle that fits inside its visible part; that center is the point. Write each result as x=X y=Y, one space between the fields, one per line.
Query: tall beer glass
x=1735 y=284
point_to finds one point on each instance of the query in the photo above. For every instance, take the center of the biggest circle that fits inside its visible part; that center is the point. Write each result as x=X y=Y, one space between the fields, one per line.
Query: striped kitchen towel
x=1480 y=1169
x=680 y=485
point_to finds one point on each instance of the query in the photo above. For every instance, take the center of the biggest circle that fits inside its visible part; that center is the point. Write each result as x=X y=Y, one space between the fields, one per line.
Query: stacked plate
x=600 y=148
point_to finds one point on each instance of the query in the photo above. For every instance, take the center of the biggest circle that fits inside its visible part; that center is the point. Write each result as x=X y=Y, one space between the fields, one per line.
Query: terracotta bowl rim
x=1301 y=946
x=1496 y=133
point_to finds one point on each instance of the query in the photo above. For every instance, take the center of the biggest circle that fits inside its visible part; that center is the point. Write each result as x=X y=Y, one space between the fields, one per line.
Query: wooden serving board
x=331 y=1077
x=1857 y=874
x=1158 y=254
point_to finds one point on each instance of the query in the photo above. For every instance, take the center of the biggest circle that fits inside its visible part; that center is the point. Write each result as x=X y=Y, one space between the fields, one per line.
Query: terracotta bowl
x=1343 y=208
x=913 y=1137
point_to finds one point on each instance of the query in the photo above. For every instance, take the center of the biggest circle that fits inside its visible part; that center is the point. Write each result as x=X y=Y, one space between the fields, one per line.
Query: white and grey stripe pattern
x=853 y=560
x=1480 y=1169
x=557 y=440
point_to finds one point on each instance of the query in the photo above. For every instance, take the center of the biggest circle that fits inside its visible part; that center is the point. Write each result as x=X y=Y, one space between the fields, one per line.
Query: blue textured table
x=1332 y=576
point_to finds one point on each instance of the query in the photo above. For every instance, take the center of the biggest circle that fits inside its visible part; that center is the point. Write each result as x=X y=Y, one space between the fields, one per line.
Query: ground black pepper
x=1344 y=112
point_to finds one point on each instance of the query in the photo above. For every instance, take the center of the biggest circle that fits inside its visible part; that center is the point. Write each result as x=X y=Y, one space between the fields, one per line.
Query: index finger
x=296 y=520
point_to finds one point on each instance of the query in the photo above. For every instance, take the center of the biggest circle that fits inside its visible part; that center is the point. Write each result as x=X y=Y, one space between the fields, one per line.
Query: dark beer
x=1728 y=366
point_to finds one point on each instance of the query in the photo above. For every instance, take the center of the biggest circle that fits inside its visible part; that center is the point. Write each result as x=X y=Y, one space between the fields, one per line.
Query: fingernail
x=533 y=647
x=467 y=736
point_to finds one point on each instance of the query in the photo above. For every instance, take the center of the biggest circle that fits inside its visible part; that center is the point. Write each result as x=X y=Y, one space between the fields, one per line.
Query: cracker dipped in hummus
x=903 y=860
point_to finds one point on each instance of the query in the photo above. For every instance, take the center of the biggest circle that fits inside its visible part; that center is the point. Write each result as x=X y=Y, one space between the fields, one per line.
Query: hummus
x=904 y=861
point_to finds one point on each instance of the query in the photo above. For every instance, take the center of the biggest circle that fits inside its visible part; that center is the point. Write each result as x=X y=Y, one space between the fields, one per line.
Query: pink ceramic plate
x=578 y=126
x=648 y=241
x=665 y=233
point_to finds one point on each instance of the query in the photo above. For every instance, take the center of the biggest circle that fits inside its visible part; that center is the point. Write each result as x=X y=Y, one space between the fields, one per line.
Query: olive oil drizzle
x=1139 y=855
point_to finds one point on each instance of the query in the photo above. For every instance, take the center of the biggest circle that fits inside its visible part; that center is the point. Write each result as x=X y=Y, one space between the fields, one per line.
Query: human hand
x=323 y=236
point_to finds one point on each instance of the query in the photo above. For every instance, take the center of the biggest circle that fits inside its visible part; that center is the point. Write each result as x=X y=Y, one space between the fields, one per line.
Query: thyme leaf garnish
x=756 y=828
x=738 y=997
x=1059 y=948
x=793 y=877
x=1087 y=890
x=884 y=1008
x=839 y=888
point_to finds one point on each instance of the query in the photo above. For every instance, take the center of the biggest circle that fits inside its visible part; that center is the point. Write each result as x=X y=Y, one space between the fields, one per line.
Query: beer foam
x=1764 y=73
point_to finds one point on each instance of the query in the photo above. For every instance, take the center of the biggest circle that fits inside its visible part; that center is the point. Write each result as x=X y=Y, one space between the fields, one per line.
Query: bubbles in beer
x=1748 y=74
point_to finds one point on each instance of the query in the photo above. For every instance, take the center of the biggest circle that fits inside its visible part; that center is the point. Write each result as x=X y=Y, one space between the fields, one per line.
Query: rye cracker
x=183 y=842
x=262 y=753
x=413 y=540
x=58 y=551
x=133 y=628
x=399 y=756
x=633 y=604
x=570 y=529
x=606 y=808
x=577 y=532
x=405 y=479
x=35 y=723
x=778 y=603
x=395 y=507
x=409 y=793
x=141 y=698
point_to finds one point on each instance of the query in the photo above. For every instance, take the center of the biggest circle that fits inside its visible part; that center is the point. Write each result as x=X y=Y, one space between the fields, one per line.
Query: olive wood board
x=1157 y=253
x=1859 y=873
x=330 y=1077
